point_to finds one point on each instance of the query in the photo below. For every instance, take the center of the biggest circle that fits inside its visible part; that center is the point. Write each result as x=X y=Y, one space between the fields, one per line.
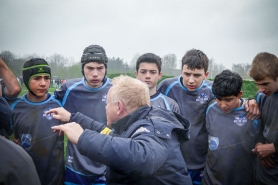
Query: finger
x=58 y=127
x=54 y=110
x=268 y=163
x=246 y=106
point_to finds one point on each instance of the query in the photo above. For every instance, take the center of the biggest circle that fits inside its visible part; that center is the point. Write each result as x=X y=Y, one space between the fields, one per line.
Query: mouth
x=191 y=87
x=94 y=81
x=226 y=110
x=42 y=90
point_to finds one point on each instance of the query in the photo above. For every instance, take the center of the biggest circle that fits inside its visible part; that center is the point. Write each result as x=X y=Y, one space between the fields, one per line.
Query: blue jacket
x=144 y=147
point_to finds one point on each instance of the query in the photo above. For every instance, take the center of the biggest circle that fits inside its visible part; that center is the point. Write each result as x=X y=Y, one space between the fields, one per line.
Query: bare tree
x=132 y=63
x=169 y=61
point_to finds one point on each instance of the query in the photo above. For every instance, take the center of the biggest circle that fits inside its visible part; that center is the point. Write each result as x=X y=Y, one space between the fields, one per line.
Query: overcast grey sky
x=229 y=31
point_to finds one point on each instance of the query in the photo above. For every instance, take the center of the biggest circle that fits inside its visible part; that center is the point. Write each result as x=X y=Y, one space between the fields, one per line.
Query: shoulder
x=170 y=100
x=208 y=82
x=72 y=82
x=211 y=104
x=168 y=81
x=16 y=101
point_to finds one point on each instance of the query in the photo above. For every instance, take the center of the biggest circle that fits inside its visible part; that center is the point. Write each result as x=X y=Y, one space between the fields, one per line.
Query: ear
x=136 y=73
x=160 y=75
x=239 y=94
x=121 y=108
x=206 y=75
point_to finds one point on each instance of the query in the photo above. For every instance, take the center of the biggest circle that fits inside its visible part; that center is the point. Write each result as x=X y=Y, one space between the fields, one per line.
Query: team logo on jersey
x=213 y=142
x=70 y=159
x=104 y=98
x=202 y=98
x=25 y=140
x=47 y=116
x=240 y=120
x=266 y=130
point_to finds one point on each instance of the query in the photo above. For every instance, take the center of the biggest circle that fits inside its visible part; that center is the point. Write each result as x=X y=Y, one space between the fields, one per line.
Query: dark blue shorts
x=196 y=176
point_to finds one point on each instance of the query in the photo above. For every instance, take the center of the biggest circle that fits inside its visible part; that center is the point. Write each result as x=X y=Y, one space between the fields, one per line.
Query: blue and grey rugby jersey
x=162 y=101
x=232 y=137
x=269 y=116
x=193 y=105
x=33 y=128
x=76 y=96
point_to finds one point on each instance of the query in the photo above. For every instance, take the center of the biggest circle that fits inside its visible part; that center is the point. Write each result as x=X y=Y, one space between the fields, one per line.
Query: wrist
x=71 y=116
x=276 y=147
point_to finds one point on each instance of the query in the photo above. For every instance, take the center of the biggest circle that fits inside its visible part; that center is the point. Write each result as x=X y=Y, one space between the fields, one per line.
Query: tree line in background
x=67 y=68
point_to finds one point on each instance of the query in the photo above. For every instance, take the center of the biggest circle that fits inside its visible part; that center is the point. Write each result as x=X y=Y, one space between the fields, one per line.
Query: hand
x=264 y=150
x=267 y=162
x=72 y=130
x=252 y=109
x=60 y=114
x=16 y=141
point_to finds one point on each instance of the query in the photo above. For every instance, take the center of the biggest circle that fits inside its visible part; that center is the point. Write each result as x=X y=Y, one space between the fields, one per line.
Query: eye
x=197 y=75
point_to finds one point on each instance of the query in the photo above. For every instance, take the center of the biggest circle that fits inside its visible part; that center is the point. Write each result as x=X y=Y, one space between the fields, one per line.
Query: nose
x=95 y=73
x=261 y=88
x=43 y=82
x=221 y=104
x=148 y=75
x=191 y=79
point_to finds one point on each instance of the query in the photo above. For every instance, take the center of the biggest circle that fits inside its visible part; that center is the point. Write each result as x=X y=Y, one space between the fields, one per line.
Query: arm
x=5 y=115
x=84 y=121
x=12 y=86
x=143 y=154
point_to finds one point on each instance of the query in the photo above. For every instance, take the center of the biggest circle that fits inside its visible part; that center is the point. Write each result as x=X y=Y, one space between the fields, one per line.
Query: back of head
x=94 y=53
x=149 y=58
x=132 y=92
x=195 y=59
x=227 y=83
x=33 y=67
x=264 y=65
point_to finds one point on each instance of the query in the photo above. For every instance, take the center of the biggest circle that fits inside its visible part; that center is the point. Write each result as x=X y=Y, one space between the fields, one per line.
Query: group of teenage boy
x=188 y=130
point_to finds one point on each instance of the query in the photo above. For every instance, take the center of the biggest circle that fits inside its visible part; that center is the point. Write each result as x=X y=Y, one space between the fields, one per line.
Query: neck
x=33 y=98
x=152 y=91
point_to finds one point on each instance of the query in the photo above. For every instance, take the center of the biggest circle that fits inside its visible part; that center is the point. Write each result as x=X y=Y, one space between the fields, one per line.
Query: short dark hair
x=227 y=83
x=149 y=58
x=195 y=59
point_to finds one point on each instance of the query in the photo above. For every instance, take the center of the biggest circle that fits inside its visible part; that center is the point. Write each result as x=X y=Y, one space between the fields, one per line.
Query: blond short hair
x=132 y=92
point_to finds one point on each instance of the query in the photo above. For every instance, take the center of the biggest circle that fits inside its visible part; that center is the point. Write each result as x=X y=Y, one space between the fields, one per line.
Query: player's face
x=94 y=73
x=192 y=79
x=148 y=73
x=111 y=110
x=267 y=86
x=39 y=85
x=228 y=103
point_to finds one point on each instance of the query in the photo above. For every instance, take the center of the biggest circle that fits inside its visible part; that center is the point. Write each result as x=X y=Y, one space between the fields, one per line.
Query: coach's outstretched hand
x=60 y=114
x=72 y=130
